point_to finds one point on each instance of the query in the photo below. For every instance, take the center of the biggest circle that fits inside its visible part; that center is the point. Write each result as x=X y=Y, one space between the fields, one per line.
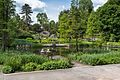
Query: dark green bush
x=37 y=46
x=7 y=69
x=29 y=67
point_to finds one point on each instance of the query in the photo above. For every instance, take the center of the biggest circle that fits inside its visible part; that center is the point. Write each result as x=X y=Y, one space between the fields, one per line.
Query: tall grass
x=112 y=57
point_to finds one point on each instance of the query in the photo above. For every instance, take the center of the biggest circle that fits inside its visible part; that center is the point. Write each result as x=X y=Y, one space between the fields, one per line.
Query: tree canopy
x=106 y=20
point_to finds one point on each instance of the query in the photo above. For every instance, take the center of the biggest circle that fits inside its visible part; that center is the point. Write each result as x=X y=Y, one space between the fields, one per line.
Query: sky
x=51 y=7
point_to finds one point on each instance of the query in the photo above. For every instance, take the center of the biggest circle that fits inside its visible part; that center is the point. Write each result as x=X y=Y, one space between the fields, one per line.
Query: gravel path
x=108 y=72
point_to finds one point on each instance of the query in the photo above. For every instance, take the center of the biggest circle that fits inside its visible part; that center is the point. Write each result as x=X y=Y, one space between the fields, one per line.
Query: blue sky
x=51 y=7
x=55 y=6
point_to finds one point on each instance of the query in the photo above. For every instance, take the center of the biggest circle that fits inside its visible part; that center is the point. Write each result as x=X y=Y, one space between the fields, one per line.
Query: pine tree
x=26 y=11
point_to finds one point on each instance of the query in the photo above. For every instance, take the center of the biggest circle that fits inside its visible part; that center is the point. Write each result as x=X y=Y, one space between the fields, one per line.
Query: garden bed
x=13 y=62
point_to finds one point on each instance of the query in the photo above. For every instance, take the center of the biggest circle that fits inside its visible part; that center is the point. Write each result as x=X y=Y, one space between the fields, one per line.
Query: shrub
x=100 y=59
x=29 y=67
x=51 y=65
x=90 y=60
x=63 y=64
x=14 y=62
x=39 y=67
x=3 y=58
x=33 y=58
x=7 y=69
x=29 y=62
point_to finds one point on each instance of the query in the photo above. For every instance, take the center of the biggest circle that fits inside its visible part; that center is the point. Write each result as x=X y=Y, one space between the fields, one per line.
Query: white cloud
x=34 y=3
x=98 y=3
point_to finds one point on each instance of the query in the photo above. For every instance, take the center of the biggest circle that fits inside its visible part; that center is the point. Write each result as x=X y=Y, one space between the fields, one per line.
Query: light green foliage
x=3 y=58
x=39 y=67
x=14 y=62
x=29 y=67
x=80 y=10
x=30 y=62
x=7 y=69
x=51 y=65
x=43 y=20
x=64 y=24
x=98 y=59
x=33 y=58
x=93 y=25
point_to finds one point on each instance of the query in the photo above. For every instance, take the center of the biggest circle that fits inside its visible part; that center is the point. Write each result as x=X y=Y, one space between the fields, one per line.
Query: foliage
x=63 y=64
x=1 y=67
x=7 y=69
x=26 y=11
x=98 y=59
x=75 y=19
x=11 y=58
x=43 y=20
x=105 y=22
x=93 y=25
x=29 y=67
x=64 y=28
x=3 y=58
x=33 y=58
x=53 y=27
x=37 y=46
x=22 y=34
x=37 y=28
x=51 y=65
x=7 y=11
x=39 y=67
x=14 y=62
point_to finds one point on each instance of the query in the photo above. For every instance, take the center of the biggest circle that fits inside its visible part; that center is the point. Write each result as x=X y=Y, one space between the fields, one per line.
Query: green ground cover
x=17 y=62
x=112 y=57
